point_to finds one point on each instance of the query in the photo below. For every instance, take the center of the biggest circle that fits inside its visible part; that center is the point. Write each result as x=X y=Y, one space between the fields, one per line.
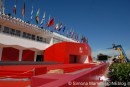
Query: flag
x=67 y=33
x=43 y=18
x=77 y=37
x=23 y=10
x=60 y=26
x=37 y=16
x=71 y=33
x=14 y=9
x=57 y=26
x=64 y=29
x=32 y=13
x=50 y=23
x=84 y=40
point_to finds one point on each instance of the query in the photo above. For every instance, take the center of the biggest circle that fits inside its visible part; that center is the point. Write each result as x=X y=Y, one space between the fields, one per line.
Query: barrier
x=65 y=80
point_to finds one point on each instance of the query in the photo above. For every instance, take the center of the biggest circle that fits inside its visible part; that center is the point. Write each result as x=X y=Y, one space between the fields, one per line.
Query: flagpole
x=23 y=10
x=3 y=7
x=53 y=26
x=49 y=20
x=31 y=14
x=44 y=19
x=44 y=24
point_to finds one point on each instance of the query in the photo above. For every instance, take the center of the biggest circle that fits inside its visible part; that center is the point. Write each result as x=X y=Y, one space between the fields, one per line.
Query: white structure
x=17 y=34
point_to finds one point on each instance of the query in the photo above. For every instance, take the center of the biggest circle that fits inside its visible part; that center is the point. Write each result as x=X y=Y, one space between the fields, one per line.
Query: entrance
x=39 y=58
x=73 y=59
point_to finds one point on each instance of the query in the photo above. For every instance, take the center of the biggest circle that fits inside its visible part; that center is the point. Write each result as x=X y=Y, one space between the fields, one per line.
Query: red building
x=68 y=52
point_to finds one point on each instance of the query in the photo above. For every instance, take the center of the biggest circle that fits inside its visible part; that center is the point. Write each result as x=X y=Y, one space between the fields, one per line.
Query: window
x=33 y=37
x=38 y=38
x=28 y=36
x=41 y=39
x=18 y=33
x=6 y=30
x=24 y=34
x=0 y=28
x=12 y=31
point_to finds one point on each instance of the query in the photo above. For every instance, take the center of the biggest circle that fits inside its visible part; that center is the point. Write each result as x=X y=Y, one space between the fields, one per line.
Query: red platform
x=72 y=72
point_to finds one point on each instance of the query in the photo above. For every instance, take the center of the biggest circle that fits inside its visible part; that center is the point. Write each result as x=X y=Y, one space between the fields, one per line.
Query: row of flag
x=51 y=22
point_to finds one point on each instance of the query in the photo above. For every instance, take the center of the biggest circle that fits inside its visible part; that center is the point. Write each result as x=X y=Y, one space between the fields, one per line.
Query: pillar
x=1 y=49
x=20 y=55
x=35 y=56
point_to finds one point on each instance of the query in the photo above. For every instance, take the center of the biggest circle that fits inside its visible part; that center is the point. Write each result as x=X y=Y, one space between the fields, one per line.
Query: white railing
x=18 y=21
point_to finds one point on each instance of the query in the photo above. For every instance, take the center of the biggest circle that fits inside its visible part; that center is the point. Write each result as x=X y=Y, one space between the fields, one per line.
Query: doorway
x=73 y=59
x=39 y=58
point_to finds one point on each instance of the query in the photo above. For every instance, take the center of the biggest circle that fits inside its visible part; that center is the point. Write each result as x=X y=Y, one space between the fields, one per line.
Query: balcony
x=7 y=40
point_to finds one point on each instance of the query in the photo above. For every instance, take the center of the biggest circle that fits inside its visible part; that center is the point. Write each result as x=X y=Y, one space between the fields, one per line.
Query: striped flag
x=37 y=16
x=43 y=18
x=23 y=10
x=60 y=27
x=32 y=12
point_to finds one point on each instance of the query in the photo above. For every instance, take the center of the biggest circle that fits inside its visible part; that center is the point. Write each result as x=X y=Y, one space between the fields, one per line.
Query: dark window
x=39 y=58
x=24 y=34
x=33 y=37
x=18 y=33
x=38 y=38
x=6 y=30
x=41 y=39
x=28 y=36
x=12 y=31
x=0 y=28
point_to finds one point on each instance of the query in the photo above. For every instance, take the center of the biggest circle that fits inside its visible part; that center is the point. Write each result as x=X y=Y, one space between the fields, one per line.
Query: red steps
x=15 y=83
x=21 y=71
x=16 y=74
x=70 y=67
x=27 y=71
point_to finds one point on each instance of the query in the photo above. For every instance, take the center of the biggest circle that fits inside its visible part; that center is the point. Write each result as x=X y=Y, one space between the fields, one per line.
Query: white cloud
x=128 y=53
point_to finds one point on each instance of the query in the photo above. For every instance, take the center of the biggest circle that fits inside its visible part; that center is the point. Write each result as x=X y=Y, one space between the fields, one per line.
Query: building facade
x=21 y=41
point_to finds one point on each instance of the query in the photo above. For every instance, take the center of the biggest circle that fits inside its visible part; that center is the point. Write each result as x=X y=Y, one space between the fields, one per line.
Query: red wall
x=10 y=54
x=60 y=52
x=28 y=55
x=55 y=53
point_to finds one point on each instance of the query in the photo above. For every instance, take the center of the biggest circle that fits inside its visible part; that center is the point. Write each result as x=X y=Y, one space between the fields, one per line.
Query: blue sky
x=103 y=22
